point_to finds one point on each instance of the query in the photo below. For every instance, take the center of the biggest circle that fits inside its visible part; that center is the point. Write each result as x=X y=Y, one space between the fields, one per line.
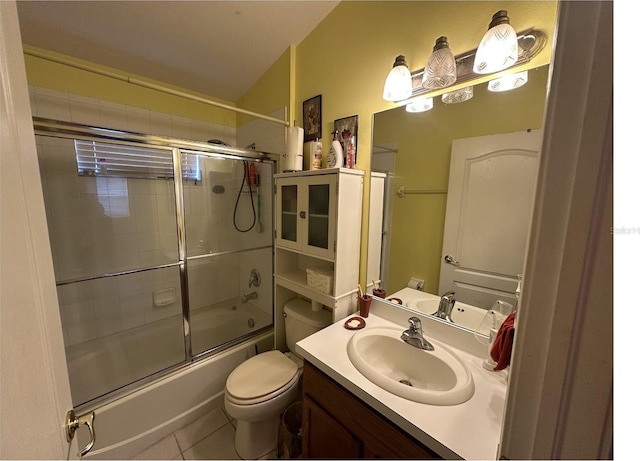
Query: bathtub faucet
x=247 y=297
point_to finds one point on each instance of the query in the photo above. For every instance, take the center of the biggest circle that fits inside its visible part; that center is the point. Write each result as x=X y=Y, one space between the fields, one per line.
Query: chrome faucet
x=414 y=337
x=248 y=296
x=446 y=306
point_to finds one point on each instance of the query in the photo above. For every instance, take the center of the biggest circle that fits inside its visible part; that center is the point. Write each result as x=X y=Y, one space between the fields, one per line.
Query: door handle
x=72 y=424
x=303 y=214
x=450 y=260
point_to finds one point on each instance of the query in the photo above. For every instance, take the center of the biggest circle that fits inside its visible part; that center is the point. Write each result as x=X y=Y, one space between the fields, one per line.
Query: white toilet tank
x=300 y=321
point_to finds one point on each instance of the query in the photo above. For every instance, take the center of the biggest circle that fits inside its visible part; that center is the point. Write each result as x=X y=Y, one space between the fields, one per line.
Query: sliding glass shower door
x=111 y=216
x=150 y=273
x=228 y=228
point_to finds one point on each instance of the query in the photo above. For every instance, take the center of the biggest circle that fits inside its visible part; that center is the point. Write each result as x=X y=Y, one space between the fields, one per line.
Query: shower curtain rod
x=151 y=86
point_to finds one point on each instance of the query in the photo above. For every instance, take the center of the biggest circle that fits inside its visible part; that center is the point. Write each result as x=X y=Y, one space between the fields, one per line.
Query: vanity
x=346 y=415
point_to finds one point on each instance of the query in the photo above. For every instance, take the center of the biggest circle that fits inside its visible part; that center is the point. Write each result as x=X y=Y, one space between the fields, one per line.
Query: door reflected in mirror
x=490 y=207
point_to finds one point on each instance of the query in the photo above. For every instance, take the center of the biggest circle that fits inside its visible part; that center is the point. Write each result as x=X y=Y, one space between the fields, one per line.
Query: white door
x=489 y=204
x=35 y=385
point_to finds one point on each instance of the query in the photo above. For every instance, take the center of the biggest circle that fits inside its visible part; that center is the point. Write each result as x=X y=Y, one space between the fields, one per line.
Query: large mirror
x=484 y=201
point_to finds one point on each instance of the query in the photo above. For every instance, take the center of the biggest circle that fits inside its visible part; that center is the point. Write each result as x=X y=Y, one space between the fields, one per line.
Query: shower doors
x=150 y=271
x=229 y=235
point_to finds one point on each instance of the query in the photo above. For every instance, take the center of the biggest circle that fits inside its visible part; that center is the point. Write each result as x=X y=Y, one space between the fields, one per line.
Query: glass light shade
x=498 y=49
x=420 y=105
x=398 y=85
x=461 y=95
x=440 y=70
x=509 y=82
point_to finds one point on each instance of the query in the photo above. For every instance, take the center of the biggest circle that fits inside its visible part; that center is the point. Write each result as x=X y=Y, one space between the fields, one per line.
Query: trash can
x=290 y=432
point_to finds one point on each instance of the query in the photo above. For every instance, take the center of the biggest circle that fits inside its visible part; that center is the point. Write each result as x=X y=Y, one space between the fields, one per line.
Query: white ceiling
x=219 y=48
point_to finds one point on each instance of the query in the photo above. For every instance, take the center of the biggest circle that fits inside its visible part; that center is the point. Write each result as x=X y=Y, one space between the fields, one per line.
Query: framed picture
x=312 y=118
x=347 y=129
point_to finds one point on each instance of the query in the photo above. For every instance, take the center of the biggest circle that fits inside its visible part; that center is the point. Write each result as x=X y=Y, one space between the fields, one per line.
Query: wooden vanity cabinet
x=336 y=424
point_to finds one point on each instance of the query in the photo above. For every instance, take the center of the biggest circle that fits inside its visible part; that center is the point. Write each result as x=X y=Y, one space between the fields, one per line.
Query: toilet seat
x=261 y=378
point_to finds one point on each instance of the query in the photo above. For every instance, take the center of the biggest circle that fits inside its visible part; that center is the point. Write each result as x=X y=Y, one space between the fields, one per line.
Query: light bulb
x=461 y=95
x=509 y=82
x=398 y=86
x=440 y=70
x=420 y=105
x=498 y=49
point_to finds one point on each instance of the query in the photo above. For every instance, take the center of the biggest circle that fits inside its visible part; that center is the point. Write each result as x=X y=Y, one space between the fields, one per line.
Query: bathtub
x=215 y=325
x=128 y=424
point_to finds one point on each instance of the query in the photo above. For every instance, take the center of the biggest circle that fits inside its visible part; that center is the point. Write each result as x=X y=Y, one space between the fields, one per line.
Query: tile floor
x=210 y=437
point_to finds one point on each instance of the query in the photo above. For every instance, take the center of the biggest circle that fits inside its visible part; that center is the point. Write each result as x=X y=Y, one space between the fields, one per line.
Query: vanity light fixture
x=398 y=87
x=530 y=43
x=440 y=70
x=461 y=95
x=498 y=49
x=420 y=105
x=509 y=82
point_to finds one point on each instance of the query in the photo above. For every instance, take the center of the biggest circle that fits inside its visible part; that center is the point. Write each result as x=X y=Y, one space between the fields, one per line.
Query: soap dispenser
x=335 y=156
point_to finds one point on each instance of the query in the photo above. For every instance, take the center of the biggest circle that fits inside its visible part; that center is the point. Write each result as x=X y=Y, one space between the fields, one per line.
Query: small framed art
x=312 y=118
x=347 y=129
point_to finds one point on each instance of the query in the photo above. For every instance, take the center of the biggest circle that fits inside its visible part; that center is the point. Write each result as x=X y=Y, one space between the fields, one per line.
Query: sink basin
x=464 y=315
x=437 y=378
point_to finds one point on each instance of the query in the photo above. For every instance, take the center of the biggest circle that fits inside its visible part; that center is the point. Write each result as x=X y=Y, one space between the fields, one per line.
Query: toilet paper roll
x=292 y=159
x=416 y=284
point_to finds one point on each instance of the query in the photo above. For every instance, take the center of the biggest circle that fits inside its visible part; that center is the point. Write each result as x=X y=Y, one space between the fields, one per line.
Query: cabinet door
x=288 y=217
x=324 y=437
x=319 y=211
x=306 y=217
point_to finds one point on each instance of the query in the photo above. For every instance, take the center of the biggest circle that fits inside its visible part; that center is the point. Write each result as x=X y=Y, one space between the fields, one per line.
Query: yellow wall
x=60 y=77
x=424 y=144
x=347 y=56
x=271 y=91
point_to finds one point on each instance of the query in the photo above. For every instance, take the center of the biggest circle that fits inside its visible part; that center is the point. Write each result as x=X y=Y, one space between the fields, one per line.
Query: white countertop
x=470 y=430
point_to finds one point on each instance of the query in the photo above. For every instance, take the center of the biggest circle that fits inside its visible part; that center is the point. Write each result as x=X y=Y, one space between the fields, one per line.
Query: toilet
x=262 y=387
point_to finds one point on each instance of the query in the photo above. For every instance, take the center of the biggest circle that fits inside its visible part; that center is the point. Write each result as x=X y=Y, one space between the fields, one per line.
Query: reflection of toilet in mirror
x=262 y=387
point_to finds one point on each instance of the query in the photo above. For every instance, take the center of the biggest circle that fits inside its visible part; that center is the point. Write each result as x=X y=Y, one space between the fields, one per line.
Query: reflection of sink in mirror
x=464 y=315
x=437 y=377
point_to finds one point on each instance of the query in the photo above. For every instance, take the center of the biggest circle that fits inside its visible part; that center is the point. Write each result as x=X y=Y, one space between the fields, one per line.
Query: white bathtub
x=133 y=422
x=215 y=325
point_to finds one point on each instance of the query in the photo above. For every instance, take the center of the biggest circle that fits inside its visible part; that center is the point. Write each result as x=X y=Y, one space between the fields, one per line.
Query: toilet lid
x=260 y=375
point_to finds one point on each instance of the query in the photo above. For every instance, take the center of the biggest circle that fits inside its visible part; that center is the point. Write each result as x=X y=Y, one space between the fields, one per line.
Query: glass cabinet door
x=289 y=213
x=306 y=214
x=318 y=219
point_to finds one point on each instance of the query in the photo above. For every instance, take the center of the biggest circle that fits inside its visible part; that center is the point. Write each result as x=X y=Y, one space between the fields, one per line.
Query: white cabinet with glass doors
x=307 y=214
x=318 y=224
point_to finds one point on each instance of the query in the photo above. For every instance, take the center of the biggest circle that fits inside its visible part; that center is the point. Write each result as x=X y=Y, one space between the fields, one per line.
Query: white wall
x=69 y=107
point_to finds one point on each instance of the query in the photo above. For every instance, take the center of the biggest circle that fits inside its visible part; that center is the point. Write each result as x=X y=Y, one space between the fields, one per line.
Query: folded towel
x=501 y=349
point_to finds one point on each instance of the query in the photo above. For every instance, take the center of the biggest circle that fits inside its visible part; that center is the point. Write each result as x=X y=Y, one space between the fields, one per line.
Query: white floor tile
x=193 y=433
x=166 y=448
x=219 y=445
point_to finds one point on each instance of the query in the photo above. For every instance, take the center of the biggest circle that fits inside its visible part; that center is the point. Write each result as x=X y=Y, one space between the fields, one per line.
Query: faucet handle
x=449 y=294
x=415 y=324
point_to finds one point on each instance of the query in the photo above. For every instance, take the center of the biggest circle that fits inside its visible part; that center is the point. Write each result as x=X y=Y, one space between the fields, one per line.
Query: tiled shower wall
x=147 y=236
x=57 y=105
